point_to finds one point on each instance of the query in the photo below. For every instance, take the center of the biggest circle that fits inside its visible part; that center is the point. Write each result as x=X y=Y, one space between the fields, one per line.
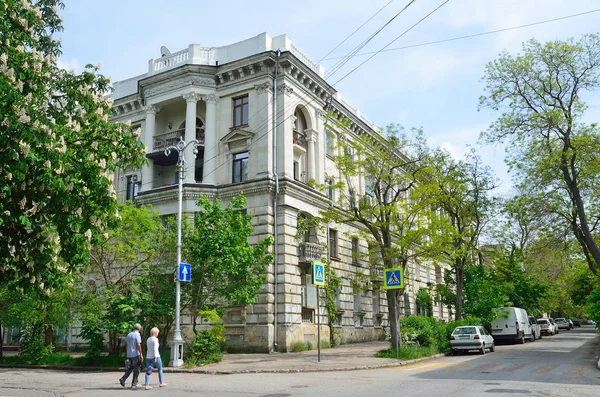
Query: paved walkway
x=353 y=356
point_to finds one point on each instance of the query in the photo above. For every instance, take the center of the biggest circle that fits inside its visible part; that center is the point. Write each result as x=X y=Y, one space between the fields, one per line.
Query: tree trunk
x=460 y=272
x=48 y=335
x=394 y=317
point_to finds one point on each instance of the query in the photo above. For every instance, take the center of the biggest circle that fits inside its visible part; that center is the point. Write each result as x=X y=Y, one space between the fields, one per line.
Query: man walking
x=134 y=357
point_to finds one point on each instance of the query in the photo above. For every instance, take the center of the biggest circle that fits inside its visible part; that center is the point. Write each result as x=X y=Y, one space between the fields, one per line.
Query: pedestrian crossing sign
x=318 y=273
x=393 y=278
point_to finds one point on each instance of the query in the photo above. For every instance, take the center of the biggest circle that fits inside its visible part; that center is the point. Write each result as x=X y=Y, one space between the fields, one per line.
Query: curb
x=199 y=370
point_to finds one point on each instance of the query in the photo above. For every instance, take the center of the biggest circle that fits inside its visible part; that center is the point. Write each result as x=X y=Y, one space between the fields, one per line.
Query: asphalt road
x=562 y=365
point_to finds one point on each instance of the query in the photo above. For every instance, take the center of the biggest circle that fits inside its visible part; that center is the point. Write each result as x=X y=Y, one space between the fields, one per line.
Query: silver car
x=471 y=337
x=562 y=323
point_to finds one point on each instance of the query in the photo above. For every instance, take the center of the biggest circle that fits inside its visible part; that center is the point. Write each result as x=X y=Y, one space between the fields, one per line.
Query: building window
x=333 y=243
x=240 y=111
x=240 y=167
x=330 y=189
x=358 y=314
x=355 y=250
x=330 y=142
x=357 y=301
x=132 y=187
x=376 y=307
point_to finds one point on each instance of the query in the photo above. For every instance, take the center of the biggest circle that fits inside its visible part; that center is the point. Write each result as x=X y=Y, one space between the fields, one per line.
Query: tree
x=388 y=220
x=459 y=192
x=226 y=268
x=551 y=150
x=135 y=262
x=57 y=151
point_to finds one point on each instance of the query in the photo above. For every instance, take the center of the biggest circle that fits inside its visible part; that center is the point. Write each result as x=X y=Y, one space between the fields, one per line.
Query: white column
x=149 y=132
x=210 y=140
x=311 y=137
x=321 y=147
x=190 y=134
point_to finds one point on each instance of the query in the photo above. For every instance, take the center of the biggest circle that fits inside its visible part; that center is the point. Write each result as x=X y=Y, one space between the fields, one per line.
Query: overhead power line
x=472 y=35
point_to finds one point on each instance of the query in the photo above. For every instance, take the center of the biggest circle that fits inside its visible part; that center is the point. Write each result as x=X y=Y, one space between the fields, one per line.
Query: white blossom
x=10 y=74
x=22 y=203
x=88 y=234
x=20 y=86
x=24 y=147
x=3 y=58
x=6 y=213
x=78 y=212
x=9 y=176
x=47 y=164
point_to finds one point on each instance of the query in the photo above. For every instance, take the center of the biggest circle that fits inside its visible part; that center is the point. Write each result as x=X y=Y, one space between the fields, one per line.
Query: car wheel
x=482 y=350
x=522 y=340
x=493 y=347
x=532 y=339
x=540 y=335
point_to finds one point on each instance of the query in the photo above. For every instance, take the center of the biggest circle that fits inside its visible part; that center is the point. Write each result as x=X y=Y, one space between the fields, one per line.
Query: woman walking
x=152 y=358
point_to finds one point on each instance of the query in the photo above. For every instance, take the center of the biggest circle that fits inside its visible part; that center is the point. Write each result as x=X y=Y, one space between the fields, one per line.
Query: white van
x=512 y=323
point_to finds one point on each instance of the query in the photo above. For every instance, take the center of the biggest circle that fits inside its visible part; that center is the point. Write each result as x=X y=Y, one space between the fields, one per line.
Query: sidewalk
x=353 y=356
x=349 y=357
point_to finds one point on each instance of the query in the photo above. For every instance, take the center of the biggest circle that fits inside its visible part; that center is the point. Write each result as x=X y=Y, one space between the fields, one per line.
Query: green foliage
x=33 y=346
x=207 y=346
x=552 y=150
x=59 y=152
x=482 y=294
x=409 y=352
x=300 y=346
x=226 y=268
x=92 y=333
x=424 y=303
x=425 y=328
x=593 y=300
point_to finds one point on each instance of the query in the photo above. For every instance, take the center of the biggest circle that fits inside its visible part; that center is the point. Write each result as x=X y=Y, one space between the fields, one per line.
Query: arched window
x=199 y=130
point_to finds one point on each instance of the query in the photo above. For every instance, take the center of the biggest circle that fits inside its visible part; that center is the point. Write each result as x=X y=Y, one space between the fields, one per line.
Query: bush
x=208 y=345
x=300 y=346
x=92 y=333
x=407 y=352
x=424 y=327
x=33 y=345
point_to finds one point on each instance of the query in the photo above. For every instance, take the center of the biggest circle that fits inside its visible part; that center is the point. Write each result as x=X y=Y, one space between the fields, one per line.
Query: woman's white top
x=152 y=344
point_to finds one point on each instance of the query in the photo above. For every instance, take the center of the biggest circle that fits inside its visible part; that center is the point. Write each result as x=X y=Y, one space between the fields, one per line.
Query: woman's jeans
x=149 y=363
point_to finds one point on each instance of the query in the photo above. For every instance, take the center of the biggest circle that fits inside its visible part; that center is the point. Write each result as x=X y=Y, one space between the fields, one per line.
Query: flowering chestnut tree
x=57 y=151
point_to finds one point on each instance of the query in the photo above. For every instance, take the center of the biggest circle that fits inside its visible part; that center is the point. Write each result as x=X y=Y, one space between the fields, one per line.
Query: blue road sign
x=393 y=279
x=318 y=273
x=185 y=272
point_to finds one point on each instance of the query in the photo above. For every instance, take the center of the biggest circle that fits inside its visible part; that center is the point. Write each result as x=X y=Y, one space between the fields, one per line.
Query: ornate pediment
x=238 y=138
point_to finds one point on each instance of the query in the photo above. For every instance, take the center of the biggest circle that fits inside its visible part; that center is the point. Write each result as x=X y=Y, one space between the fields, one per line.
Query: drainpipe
x=276 y=196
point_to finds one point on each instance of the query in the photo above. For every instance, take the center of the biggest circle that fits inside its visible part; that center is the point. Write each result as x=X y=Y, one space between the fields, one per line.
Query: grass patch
x=408 y=352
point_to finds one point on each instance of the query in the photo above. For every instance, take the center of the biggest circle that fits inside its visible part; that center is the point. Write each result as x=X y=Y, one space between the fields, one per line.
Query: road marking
x=545 y=369
x=485 y=367
x=426 y=367
x=578 y=370
x=515 y=367
x=458 y=366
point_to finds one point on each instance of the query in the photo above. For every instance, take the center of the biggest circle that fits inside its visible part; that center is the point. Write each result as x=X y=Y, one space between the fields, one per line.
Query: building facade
x=256 y=107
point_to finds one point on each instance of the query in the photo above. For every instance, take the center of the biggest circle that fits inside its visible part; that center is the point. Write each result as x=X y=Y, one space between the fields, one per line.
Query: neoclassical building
x=256 y=107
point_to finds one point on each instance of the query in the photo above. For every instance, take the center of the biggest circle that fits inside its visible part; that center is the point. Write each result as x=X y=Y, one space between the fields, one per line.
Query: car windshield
x=465 y=331
x=543 y=322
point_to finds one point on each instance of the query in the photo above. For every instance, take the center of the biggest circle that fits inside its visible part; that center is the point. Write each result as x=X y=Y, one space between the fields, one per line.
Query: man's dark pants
x=134 y=365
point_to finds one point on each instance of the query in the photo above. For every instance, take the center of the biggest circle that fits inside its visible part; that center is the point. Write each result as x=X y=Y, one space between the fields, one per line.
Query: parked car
x=471 y=337
x=562 y=323
x=576 y=323
x=547 y=328
x=571 y=325
x=511 y=323
x=555 y=325
x=536 y=328
x=591 y=322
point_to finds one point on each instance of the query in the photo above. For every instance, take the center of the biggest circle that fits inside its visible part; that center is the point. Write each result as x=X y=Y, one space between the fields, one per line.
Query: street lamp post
x=177 y=343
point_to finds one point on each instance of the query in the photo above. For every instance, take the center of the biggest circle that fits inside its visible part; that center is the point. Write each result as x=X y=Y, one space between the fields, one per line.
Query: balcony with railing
x=170 y=138
x=308 y=252
x=299 y=139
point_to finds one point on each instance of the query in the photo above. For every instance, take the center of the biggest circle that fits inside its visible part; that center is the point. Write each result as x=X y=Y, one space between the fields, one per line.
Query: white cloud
x=72 y=64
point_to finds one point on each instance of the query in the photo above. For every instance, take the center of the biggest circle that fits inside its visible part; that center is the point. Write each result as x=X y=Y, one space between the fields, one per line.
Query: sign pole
x=318 y=327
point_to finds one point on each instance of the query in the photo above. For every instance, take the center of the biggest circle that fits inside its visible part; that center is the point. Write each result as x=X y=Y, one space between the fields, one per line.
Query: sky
x=435 y=87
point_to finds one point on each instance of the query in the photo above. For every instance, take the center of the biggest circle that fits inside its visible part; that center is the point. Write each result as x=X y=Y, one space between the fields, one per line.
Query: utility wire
x=391 y=42
x=352 y=34
x=312 y=99
x=342 y=62
x=473 y=35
